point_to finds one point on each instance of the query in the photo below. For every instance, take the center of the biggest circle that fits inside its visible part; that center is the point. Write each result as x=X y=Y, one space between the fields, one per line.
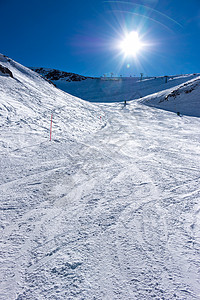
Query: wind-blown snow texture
x=110 y=208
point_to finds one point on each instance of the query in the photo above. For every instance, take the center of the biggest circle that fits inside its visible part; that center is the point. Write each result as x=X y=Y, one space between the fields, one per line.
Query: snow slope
x=109 y=209
x=27 y=102
x=110 y=89
x=184 y=98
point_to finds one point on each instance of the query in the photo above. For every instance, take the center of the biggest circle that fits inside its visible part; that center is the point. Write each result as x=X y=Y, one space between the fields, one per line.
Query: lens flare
x=143 y=16
x=149 y=9
x=131 y=44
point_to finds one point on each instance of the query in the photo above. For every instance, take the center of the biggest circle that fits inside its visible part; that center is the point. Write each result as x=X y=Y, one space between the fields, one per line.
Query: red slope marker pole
x=51 y=126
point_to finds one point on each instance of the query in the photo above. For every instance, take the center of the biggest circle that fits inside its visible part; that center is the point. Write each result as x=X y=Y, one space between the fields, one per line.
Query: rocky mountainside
x=55 y=75
x=5 y=71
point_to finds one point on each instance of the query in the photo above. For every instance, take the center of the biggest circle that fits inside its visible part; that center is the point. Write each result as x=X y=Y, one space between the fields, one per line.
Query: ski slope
x=109 y=209
x=111 y=89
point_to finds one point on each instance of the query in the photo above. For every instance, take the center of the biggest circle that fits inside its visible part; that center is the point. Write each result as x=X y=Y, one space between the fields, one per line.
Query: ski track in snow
x=109 y=209
x=113 y=217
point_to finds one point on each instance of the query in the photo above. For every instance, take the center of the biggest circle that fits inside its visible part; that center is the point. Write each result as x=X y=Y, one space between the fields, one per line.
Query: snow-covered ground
x=184 y=98
x=111 y=89
x=109 y=209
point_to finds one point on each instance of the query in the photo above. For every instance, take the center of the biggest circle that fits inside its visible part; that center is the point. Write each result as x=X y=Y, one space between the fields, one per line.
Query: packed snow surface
x=109 y=209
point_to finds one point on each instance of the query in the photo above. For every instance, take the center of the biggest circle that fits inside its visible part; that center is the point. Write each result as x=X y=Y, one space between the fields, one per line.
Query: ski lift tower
x=166 y=78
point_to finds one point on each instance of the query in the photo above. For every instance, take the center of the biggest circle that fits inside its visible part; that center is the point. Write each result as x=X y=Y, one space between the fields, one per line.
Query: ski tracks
x=111 y=223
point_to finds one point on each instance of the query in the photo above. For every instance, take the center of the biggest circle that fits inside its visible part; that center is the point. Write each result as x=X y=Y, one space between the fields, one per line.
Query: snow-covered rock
x=183 y=99
x=5 y=71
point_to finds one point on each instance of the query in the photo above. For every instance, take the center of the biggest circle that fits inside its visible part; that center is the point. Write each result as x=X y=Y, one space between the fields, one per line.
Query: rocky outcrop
x=54 y=75
x=186 y=88
x=5 y=71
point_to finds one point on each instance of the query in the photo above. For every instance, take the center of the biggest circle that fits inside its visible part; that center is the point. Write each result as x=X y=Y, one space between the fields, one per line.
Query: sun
x=131 y=44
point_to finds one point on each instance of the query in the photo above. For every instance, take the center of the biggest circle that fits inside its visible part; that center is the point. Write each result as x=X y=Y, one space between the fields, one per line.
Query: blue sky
x=83 y=36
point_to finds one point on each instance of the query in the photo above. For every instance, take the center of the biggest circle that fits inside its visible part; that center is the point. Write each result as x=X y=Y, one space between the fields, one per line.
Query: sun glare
x=131 y=44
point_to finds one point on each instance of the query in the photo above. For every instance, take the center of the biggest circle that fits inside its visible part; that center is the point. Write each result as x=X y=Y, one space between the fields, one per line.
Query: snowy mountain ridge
x=108 y=90
x=97 y=90
x=54 y=75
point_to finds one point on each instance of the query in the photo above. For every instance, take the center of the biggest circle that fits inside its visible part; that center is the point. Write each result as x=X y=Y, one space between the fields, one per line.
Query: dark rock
x=5 y=71
x=52 y=74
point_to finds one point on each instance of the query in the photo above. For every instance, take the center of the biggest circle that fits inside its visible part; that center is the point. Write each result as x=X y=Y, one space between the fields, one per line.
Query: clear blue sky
x=81 y=36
